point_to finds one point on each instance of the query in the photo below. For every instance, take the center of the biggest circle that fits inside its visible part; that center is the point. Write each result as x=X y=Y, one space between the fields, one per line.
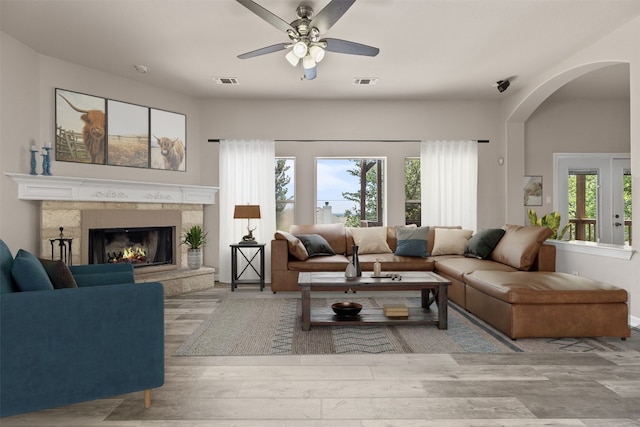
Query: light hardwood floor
x=406 y=390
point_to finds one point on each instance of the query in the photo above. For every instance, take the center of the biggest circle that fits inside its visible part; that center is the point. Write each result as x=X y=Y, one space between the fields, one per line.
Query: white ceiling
x=429 y=49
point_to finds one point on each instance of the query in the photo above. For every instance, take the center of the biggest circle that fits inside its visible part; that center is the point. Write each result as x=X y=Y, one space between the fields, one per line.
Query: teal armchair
x=64 y=346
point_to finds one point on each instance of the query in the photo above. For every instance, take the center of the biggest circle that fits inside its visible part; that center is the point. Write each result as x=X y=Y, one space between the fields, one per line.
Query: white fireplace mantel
x=38 y=187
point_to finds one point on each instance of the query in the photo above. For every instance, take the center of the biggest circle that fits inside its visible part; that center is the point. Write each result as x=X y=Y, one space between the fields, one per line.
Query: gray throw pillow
x=316 y=245
x=412 y=241
x=483 y=242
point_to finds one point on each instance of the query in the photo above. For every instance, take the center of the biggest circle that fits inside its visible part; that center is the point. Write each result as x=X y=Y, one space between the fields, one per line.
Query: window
x=350 y=191
x=594 y=195
x=285 y=192
x=412 y=199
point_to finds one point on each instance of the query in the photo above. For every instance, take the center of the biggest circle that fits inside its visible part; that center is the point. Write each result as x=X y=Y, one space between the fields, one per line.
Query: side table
x=252 y=253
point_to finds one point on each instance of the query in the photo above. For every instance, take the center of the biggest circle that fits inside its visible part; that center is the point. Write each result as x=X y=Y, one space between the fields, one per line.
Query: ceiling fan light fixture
x=310 y=73
x=308 y=62
x=292 y=58
x=317 y=53
x=300 y=49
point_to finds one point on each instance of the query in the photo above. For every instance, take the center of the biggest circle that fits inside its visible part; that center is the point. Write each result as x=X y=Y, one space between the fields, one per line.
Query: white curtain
x=246 y=177
x=449 y=183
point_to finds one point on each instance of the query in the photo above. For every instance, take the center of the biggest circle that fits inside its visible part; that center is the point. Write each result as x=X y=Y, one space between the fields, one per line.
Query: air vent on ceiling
x=365 y=80
x=226 y=80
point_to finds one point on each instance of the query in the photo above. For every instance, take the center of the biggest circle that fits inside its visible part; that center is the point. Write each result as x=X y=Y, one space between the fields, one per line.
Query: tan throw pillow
x=450 y=241
x=296 y=248
x=519 y=245
x=371 y=240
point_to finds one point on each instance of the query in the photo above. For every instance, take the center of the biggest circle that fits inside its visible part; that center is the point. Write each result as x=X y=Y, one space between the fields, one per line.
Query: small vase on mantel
x=356 y=261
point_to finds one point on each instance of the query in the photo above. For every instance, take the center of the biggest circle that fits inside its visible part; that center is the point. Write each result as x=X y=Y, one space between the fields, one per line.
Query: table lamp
x=248 y=212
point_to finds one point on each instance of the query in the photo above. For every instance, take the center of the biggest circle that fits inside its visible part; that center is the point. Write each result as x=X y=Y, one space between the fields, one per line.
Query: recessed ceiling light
x=226 y=80
x=365 y=80
x=141 y=68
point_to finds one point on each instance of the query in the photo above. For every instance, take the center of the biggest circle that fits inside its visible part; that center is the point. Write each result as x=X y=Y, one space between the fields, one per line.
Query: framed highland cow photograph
x=128 y=135
x=168 y=140
x=80 y=127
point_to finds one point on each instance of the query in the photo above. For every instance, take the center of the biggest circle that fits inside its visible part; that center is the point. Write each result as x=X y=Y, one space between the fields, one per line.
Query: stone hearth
x=77 y=204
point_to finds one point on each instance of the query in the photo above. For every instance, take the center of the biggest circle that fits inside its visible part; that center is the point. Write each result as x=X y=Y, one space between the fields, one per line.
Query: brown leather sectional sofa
x=520 y=293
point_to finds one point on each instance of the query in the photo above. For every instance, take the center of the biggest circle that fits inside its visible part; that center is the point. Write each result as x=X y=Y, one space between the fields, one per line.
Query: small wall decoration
x=168 y=136
x=80 y=127
x=90 y=129
x=128 y=141
x=533 y=191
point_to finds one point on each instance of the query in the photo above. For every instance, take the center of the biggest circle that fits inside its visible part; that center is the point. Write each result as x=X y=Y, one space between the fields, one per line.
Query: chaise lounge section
x=513 y=286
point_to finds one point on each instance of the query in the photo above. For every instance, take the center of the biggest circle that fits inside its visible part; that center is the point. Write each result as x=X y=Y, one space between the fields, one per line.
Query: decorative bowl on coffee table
x=346 y=308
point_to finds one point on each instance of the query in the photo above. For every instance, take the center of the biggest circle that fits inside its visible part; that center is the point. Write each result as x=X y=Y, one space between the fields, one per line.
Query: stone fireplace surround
x=77 y=204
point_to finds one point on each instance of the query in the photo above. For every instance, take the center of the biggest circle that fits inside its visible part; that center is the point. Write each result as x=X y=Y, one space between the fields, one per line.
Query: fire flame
x=133 y=253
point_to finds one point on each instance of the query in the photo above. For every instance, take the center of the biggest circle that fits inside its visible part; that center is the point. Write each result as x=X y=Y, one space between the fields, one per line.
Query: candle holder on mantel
x=33 y=150
x=64 y=245
x=46 y=160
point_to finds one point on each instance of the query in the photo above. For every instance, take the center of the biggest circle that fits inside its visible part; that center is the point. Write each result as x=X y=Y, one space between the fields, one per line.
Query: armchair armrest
x=279 y=255
x=102 y=274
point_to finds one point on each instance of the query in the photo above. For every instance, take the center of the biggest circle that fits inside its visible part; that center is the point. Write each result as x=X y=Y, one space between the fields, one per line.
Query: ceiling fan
x=305 y=44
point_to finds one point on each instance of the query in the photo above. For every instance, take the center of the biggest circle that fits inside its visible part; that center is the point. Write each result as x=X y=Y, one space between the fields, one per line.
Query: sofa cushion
x=370 y=240
x=334 y=234
x=316 y=245
x=457 y=267
x=412 y=241
x=542 y=287
x=450 y=241
x=296 y=248
x=432 y=235
x=519 y=245
x=29 y=274
x=58 y=273
x=321 y=263
x=483 y=242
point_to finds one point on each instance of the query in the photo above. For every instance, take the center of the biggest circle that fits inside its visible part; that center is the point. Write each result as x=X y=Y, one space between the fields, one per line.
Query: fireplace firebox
x=140 y=246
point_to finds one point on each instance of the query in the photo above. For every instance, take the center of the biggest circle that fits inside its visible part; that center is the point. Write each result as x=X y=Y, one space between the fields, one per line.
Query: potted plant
x=551 y=220
x=196 y=238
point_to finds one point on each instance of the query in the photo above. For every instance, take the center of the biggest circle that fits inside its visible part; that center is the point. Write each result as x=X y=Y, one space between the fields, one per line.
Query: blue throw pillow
x=29 y=274
x=316 y=245
x=412 y=241
x=483 y=242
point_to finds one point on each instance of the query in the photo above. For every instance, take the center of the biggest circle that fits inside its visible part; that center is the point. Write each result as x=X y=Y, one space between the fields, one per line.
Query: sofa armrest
x=102 y=274
x=78 y=344
x=546 y=259
x=279 y=255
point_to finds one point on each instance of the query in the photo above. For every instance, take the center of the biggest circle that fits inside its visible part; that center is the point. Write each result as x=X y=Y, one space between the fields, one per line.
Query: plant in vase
x=196 y=238
x=551 y=220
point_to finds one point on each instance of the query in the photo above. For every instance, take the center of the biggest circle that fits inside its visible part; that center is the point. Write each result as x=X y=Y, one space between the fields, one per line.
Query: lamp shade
x=246 y=211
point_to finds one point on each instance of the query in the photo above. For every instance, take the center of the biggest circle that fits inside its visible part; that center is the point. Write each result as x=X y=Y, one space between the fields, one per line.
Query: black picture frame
x=168 y=140
x=128 y=134
x=80 y=127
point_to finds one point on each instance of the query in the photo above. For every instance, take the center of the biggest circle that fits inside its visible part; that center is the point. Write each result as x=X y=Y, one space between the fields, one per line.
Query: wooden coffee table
x=432 y=287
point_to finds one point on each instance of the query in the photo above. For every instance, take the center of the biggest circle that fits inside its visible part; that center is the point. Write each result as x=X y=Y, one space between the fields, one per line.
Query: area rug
x=255 y=326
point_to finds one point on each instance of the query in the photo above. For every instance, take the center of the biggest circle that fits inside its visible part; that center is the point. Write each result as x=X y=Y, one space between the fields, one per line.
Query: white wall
x=28 y=85
x=580 y=126
x=618 y=47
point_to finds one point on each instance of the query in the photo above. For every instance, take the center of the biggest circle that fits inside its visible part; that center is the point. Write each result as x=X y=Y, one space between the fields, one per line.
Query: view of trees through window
x=583 y=205
x=412 y=198
x=285 y=196
x=350 y=191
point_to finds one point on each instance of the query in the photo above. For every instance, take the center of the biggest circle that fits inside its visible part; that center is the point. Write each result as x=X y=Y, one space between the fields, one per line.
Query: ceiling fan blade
x=265 y=50
x=263 y=13
x=350 y=48
x=330 y=14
